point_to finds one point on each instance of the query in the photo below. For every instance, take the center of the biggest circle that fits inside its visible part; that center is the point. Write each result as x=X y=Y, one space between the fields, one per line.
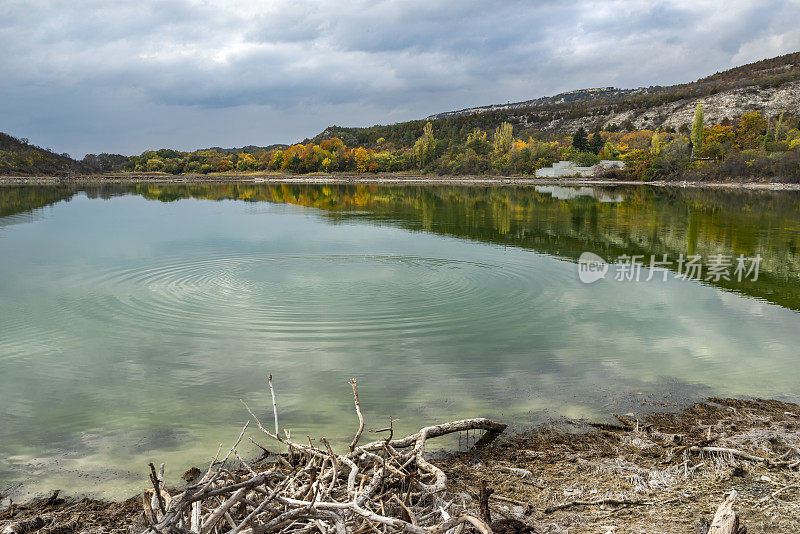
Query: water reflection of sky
x=131 y=328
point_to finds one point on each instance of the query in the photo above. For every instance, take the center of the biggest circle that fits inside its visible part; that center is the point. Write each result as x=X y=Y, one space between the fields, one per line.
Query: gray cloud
x=94 y=75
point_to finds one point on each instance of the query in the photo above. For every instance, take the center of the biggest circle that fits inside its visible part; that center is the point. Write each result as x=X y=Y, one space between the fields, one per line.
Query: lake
x=134 y=318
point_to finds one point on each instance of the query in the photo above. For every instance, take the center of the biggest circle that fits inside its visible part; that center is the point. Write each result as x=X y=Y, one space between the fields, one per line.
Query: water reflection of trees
x=646 y=221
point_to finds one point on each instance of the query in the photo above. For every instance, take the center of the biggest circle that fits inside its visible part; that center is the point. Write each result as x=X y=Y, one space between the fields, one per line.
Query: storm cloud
x=124 y=76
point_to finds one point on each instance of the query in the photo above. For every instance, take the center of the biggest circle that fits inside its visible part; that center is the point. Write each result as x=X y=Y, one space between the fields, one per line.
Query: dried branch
x=274 y=402
x=358 y=413
x=309 y=489
x=157 y=487
x=599 y=502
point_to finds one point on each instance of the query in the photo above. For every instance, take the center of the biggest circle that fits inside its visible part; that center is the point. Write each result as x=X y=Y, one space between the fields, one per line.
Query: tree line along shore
x=751 y=147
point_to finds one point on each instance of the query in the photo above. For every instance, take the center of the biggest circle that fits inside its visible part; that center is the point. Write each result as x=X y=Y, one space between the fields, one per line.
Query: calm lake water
x=133 y=319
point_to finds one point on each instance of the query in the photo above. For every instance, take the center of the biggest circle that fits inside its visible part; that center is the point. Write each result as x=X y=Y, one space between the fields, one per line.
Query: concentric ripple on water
x=319 y=295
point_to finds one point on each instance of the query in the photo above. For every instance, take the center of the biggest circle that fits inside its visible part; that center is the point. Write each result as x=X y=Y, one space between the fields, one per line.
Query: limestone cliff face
x=770 y=86
x=577 y=96
x=728 y=104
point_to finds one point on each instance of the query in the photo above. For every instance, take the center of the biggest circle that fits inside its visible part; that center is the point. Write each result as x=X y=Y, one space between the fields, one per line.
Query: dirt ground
x=658 y=474
x=661 y=473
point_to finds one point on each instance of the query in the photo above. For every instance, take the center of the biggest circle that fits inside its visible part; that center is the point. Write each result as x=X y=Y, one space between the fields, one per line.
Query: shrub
x=586 y=159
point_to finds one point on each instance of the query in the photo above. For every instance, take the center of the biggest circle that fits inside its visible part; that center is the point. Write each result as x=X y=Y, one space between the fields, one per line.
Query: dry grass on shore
x=661 y=474
x=664 y=473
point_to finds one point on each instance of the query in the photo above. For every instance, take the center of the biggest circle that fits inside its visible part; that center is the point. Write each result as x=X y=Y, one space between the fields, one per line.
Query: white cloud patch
x=74 y=72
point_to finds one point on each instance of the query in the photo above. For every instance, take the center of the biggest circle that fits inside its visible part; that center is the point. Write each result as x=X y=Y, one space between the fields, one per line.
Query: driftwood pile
x=382 y=486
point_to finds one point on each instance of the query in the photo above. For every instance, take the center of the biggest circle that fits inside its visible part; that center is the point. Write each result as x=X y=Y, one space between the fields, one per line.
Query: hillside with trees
x=741 y=124
x=20 y=158
x=749 y=147
x=770 y=86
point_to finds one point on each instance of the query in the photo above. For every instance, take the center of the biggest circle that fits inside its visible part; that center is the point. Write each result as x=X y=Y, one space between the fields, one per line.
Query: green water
x=133 y=319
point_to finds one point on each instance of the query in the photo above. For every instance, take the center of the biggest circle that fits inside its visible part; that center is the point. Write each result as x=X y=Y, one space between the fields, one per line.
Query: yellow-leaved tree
x=503 y=138
x=425 y=147
x=655 y=144
x=698 y=131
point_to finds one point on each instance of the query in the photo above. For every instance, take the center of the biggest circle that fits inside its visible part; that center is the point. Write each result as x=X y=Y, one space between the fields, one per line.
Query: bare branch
x=358 y=413
x=274 y=402
x=305 y=490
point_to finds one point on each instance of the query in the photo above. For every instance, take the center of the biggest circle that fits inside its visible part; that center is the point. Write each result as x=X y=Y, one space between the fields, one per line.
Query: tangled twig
x=386 y=483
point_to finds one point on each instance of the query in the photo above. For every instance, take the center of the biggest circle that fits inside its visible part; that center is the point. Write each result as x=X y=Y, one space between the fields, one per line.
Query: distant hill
x=249 y=149
x=20 y=158
x=578 y=96
x=770 y=86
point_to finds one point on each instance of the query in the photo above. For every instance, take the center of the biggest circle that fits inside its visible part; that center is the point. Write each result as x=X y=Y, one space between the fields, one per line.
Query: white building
x=568 y=168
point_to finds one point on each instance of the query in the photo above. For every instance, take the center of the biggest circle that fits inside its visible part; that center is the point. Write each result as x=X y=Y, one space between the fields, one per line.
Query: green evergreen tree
x=597 y=143
x=778 y=127
x=580 y=140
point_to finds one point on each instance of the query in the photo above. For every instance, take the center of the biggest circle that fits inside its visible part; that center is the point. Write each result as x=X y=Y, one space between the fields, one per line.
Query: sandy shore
x=374 y=179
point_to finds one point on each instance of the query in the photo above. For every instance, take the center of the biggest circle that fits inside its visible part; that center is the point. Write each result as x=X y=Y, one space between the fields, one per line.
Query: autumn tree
x=154 y=165
x=697 y=129
x=246 y=162
x=425 y=146
x=719 y=133
x=752 y=125
x=361 y=155
x=476 y=140
x=277 y=160
x=332 y=144
x=655 y=144
x=609 y=151
x=635 y=140
x=503 y=138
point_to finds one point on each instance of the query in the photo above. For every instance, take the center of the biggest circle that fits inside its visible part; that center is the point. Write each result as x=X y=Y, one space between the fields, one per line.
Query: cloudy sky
x=124 y=76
